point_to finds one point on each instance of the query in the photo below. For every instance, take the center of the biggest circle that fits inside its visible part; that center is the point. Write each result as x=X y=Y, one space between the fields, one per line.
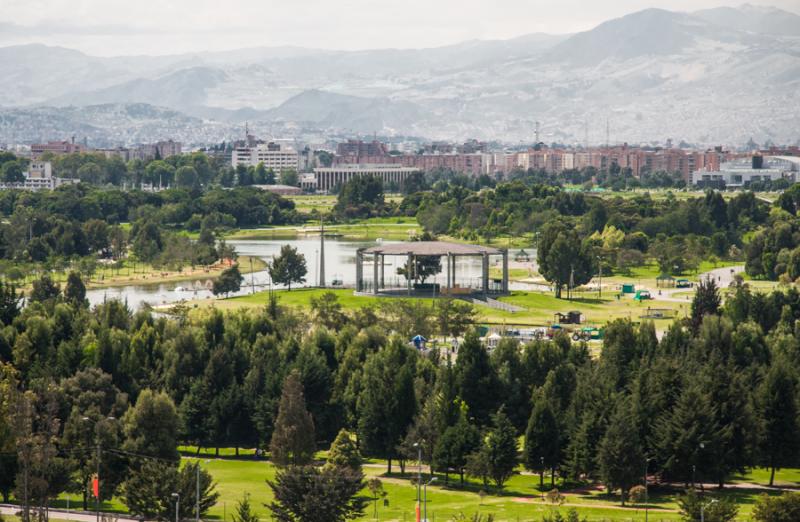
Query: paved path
x=61 y=514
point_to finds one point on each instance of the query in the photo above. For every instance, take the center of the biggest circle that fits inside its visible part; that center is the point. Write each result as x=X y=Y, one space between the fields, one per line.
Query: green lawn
x=521 y=498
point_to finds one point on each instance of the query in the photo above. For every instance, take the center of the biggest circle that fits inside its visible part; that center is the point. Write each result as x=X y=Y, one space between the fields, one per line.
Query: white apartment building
x=328 y=177
x=273 y=155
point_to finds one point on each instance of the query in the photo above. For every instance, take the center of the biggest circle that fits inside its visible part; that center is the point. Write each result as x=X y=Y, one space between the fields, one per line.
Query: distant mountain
x=180 y=89
x=353 y=113
x=751 y=18
x=715 y=76
x=652 y=32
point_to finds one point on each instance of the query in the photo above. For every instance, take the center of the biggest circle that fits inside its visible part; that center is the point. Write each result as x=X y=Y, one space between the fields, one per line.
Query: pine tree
x=344 y=452
x=293 y=438
x=542 y=438
x=706 y=302
x=476 y=379
x=500 y=446
x=620 y=454
x=309 y=494
x=243 y=512
x=778 y=402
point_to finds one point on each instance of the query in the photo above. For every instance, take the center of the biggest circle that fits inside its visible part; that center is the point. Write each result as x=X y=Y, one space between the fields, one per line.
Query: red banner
x=96 y=486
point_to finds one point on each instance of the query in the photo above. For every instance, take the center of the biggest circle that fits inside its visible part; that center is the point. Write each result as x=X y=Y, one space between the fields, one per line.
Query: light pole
x=600 y=286
x=425 y=494
x=96 y=488
x=703 y=509
x=177 y=498
x=419 y=475
x=646 y=497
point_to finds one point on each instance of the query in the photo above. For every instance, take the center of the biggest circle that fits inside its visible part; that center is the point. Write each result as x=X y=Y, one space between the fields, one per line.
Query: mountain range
x=714 y=76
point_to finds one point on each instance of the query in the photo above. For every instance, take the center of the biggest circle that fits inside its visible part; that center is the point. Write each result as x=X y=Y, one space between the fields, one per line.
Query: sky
x=117 y=27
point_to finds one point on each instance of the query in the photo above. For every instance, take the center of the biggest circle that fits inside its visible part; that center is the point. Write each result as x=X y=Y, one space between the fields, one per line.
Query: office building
x=326 y=178
x=273 y=155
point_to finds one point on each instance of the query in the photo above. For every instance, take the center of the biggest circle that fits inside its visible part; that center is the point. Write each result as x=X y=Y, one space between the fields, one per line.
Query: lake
x=340 y=258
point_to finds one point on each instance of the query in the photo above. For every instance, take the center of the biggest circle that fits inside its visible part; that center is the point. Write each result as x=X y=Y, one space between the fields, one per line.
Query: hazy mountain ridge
x=652 y=74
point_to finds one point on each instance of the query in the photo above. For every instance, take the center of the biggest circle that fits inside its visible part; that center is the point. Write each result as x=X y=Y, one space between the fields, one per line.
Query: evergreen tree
x=243 y=512
x=476 y=380
x=500 y=446
x=619 y=454
x=288 y=267
x=230 y=280
x=455 y=445
x=542 y=438
x=293 y=438
x=706 y=302
x=783 y=508
x=10 y=302
x=75 y=291
x=151 y=426
x=777 y=398
x=309 y=494
x=344 y=452
x=387 y=402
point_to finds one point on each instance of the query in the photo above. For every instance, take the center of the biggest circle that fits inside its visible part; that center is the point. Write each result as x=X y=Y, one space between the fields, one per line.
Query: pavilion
x=413 y=249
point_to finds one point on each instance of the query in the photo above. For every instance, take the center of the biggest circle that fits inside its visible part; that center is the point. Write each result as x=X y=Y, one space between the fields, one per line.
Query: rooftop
x=431 y=248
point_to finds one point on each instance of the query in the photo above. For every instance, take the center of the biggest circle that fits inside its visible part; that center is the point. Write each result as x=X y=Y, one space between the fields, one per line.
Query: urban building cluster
x=145 y=152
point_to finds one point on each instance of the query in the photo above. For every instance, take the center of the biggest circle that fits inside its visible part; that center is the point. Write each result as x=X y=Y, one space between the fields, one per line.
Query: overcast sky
x=114 y=27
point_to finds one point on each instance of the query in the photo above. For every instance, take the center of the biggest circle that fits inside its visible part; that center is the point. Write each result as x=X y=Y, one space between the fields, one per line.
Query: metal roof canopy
x=431 y=248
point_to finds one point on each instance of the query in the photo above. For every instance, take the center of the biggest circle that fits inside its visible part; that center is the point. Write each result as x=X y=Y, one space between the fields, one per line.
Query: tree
x=75 y=291
x=420 y=268
x=500 y=447
x=243 y=512
x=10 y=302
x=777 y=396
x=453 y=316
x=387 y=403
x=230 y=280
x=328 y=311
x=148 y=490
x=13 y=172
x=375 y=487
x=288 y=267
x=706 y=302
x=456 y=444
x=619 y=453
x=293 y=438
x=564 y=258
x=694 y=508
x=44 y=290
x=186 y=177
x=542 y=449
x=151 y=426
x=289 y=177
x=476 y=379
x=309 y=494
x=783 y=508
x=344 y=452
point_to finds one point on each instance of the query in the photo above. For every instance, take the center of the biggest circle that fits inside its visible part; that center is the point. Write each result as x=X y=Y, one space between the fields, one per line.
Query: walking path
x=63 y=514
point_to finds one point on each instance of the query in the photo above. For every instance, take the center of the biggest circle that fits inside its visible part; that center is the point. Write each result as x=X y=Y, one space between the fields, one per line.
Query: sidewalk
x=77 y=515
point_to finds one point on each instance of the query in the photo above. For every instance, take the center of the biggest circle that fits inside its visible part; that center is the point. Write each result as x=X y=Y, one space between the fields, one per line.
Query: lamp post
x=703 y=509
x=646 y=497
x=419 y=475
x=600 y=286
x=425 y=494
x=177 y=498
x=97 y=468
x=197 y=493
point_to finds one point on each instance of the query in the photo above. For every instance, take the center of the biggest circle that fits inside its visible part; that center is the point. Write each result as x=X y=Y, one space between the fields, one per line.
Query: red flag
x=418 y=513
x=96 y=486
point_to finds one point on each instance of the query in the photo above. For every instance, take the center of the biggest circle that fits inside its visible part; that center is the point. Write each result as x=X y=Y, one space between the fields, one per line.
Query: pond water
x=340 y=258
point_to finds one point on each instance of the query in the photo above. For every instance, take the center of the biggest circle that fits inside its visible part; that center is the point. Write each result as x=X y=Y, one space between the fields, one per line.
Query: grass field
x=539 y=307
x=521 y=499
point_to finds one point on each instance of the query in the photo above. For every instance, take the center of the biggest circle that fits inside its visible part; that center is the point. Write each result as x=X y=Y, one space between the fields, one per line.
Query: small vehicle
x=683 y=283
x=337 y=282
x=642 y=295
x=588 y=333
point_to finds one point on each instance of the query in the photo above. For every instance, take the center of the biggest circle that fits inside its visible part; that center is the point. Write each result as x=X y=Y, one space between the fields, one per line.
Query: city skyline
x=117 y=28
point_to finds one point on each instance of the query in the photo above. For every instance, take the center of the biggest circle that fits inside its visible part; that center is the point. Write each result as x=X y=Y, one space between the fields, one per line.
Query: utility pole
x=600 y=287
x=97 y=478
x=322 y=253
x=197 y=495
x=252 y=286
